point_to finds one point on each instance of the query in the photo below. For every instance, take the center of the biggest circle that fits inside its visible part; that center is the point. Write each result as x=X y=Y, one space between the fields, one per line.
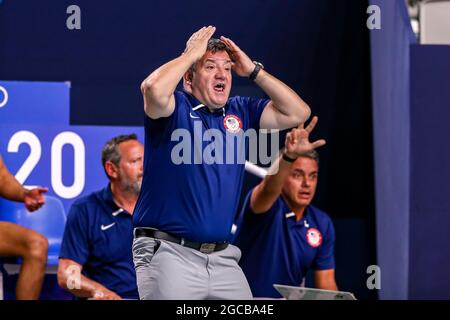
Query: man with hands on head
x=281 y=234
x=18 y=241
x=185 y=211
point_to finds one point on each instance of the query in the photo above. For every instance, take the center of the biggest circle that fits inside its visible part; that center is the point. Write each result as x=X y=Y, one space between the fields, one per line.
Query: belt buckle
x=207 y=247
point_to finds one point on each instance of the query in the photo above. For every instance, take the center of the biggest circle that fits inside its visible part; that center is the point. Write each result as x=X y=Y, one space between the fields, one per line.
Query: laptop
x=301 y=293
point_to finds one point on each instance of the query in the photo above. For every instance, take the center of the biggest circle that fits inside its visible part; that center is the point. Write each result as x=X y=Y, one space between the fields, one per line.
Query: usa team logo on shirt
x=314 y=237
x=232 y=123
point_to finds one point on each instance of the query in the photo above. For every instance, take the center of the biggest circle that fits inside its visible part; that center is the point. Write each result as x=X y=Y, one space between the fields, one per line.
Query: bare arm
x=159 y=86
x=71 y=279
x=11 y=189
x=297 y=143
x=286 y=109
x=266 y=193
x=325 y=279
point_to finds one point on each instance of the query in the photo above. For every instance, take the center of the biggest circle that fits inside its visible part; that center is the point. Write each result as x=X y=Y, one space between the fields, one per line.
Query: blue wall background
x=391 y=106
x=411 y=138
x=319 y=48
x=429 y=258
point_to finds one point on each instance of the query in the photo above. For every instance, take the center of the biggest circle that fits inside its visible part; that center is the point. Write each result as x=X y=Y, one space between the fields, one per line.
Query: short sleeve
x=160 y=129
x=75 y=244
x=325 y=256
x=255 y=109
x=246 y=214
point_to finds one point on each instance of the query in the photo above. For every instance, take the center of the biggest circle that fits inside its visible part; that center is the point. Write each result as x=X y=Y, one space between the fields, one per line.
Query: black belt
x=158 y=234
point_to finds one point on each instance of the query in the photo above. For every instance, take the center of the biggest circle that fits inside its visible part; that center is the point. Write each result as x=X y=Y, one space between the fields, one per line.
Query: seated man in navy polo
x=96 y=260
x=281 y=234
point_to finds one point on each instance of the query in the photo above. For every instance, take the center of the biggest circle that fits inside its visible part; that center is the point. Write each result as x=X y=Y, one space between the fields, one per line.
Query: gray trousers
x=166 y=270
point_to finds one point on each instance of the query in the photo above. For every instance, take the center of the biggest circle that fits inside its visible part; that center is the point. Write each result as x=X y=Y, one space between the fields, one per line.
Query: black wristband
x=288 y=159
x=254 y=74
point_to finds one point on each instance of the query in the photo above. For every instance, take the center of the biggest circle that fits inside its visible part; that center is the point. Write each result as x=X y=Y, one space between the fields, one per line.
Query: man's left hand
x=242 y=65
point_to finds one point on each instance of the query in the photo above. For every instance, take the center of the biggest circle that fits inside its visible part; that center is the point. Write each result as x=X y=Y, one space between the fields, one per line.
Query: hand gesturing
x=297 y=140
x=34 y=198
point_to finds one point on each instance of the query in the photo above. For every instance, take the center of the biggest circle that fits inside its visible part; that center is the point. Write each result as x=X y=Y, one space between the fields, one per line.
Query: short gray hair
x=110 y=152
x=313 y=154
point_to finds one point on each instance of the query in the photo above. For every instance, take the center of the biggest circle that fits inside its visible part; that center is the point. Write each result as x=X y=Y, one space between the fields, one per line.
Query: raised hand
x=198 y=42
x=243 y=65
x=297 y=140
x=34 y=198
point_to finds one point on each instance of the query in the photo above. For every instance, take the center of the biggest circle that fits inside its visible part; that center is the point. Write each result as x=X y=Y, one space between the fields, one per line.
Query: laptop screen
x=301 y=293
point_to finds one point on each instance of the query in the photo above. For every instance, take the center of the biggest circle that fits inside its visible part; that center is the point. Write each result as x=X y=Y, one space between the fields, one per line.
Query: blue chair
x=49 y=221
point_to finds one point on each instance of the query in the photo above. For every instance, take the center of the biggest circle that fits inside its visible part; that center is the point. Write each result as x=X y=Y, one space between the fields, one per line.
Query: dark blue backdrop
x=320 y=48
x=390 y=92
x=411 y=138
x=429 y=258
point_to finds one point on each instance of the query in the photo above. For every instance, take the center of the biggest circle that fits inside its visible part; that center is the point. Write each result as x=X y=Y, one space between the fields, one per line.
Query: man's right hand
x=159 y=87
x=105 y=294
x=197 y=44
x=297 y=140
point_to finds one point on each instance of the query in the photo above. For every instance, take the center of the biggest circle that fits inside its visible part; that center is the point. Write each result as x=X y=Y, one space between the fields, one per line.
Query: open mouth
x=304 y=194
x=220 y=87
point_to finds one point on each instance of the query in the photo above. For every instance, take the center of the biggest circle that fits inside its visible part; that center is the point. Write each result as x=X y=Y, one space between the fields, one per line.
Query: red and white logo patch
x=232 y=123
x=314 y=237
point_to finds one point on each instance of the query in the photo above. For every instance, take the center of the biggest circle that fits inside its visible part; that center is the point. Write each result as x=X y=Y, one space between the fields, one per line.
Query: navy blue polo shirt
x=99 y=236
x=196 y=201
x=278 y=249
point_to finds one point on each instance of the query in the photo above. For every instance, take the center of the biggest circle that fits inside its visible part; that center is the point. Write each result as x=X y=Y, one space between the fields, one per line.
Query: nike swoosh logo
x=107 y=227
x=193 y=117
